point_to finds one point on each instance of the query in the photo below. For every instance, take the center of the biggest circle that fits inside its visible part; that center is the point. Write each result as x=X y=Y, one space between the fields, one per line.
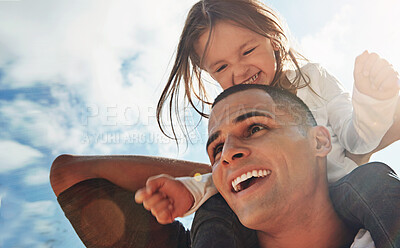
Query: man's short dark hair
x=283 y=99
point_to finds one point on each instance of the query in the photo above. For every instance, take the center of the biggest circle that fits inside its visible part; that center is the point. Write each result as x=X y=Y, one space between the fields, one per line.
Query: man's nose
x=234 y=150
x=240 y=73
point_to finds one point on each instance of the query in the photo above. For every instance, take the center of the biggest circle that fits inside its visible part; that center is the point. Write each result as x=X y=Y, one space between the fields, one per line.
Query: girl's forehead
x=225 y=37
x=225 y=30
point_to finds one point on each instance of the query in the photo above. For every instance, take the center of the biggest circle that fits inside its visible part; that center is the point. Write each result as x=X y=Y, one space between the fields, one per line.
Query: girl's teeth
x=252 y=79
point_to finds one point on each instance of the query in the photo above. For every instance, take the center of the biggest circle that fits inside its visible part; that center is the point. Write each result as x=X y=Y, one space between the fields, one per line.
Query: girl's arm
x=391 y=136
x=128 y=172
x=360 y=124
x=167 y=197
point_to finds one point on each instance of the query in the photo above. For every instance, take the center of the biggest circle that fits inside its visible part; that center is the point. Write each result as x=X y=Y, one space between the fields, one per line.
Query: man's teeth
x=252 y=79
x=254 y=173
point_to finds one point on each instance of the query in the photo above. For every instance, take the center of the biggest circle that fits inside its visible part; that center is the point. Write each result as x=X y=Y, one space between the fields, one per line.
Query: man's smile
x=248 y=179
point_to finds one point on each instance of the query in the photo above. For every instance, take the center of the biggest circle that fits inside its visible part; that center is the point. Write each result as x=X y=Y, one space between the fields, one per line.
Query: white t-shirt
x=363 y=239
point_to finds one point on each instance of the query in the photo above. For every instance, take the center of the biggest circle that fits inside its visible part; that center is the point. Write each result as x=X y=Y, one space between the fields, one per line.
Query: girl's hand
x=375 y=77
x=166 y=198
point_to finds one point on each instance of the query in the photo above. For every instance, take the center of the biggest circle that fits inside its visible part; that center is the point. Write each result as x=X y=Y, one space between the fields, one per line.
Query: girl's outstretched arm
x=166 y=198
x=128 y=172
x=391 y=136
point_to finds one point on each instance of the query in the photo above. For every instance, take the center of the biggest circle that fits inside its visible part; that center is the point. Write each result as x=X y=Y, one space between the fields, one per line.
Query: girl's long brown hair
x=201 y=18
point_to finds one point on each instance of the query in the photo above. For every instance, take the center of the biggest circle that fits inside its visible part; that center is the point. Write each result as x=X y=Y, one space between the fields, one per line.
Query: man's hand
x=166 y=198
x=375 y=77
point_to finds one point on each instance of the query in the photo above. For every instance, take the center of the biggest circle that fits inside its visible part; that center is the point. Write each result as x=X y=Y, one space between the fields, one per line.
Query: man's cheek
x=215 y=179
x=217 y=182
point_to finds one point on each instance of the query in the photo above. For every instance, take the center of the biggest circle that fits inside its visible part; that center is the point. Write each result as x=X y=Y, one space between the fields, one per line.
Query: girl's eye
x=221 y=68
x=249 y=51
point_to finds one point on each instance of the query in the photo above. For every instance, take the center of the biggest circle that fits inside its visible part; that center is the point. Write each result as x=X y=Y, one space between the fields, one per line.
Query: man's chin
x=249 y=221
x=247 y=215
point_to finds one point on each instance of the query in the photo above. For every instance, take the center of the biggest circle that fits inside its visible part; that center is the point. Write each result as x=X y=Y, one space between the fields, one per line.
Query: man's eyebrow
x=250 y=114
x=239 y=49
x=212 y=137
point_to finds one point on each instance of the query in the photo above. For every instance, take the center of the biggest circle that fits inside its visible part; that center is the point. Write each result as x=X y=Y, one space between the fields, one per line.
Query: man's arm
x=96 y=195
x=391 y=136
x=128 y=172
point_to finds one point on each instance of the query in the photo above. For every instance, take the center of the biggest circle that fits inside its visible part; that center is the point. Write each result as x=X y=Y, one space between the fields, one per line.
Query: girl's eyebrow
x=246 y=43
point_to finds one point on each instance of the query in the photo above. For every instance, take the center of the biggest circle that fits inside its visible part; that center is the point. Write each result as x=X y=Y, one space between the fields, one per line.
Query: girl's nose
x=240 y=74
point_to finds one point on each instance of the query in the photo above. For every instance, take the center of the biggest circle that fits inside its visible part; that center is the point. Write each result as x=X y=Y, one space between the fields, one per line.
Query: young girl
x=242 y=41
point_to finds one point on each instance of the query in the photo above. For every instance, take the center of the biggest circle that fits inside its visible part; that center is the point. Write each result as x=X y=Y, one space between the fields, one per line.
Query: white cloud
x=83 y=47
x=34 y=219
x=36 y=176
x=15 y=155
x=74 y=42
x=43 y=125
x=44 y=209
x=359 y=25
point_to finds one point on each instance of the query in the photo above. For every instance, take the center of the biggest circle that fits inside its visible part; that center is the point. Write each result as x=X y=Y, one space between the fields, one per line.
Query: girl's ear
x=274 y=44
x=321 y=141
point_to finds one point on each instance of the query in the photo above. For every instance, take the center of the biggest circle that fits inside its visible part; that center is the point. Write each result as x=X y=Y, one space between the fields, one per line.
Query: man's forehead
x=239 y=103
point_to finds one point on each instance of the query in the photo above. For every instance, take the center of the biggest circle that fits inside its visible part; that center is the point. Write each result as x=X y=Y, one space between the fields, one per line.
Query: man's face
x=260 y=160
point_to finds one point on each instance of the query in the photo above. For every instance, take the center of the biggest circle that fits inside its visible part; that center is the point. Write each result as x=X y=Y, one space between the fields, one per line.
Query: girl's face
x=237 y=55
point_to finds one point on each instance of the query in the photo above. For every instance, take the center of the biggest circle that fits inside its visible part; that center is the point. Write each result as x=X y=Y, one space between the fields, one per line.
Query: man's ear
x=321 y=140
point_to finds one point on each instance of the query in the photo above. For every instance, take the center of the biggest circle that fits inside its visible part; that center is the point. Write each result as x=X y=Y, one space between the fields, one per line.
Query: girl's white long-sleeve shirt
x=356 y=124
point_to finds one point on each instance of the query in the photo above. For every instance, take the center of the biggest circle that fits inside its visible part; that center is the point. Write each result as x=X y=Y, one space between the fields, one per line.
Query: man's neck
x=317 y=225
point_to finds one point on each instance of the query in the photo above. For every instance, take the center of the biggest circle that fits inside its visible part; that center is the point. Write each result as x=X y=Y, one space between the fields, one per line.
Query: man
x=269 y=163
x=288 y=203
x=268 y=160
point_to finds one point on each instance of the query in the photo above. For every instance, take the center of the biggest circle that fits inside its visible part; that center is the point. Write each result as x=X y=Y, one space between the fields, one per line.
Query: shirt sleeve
x=359 y=123
x=363 y=239
x=372 y=119
x=202 y=188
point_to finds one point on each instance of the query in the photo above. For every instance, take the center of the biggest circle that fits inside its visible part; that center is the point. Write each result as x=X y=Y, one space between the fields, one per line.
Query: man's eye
x=249 y=51
x=256 y=128
x=217 y=150
x=221 y=68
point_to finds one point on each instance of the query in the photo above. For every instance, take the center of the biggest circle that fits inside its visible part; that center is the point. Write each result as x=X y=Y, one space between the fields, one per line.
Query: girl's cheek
x=223 y=82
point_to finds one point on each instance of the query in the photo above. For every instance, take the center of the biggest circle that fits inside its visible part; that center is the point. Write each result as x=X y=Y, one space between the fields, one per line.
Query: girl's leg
x=215 y=225
x=369 y=197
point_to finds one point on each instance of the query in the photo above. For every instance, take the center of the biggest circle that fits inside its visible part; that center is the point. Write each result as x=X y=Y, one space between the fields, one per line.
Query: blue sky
x=83 y=77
